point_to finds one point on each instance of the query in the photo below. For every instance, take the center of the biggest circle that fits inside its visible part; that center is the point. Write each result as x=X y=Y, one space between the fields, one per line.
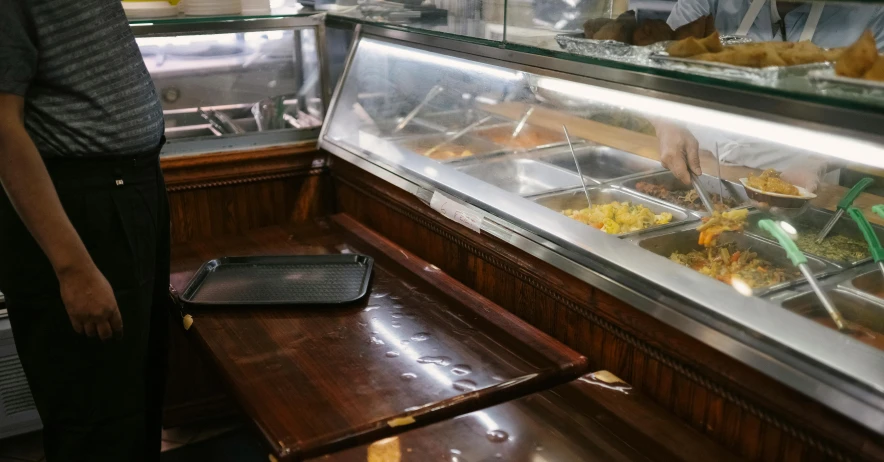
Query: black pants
x=98 y=401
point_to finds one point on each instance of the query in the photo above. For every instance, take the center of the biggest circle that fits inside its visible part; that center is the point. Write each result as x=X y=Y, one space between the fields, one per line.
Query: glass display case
x=233 y=83
x=703 y=210
x=789 y=49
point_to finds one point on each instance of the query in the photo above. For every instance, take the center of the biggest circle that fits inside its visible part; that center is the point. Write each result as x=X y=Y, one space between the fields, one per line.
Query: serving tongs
x=845 y=203
x=220 y=121
x=434 y=92
x=800 y=260
x=522 y=122
x=871 y=238
x=576 y=163
x=457 y=135
x=704 y=198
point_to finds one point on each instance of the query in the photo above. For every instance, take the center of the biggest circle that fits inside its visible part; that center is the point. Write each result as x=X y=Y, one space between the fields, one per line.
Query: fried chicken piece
x=833 y=54
x=876 y=72
x=650 y=32
x=858 y=58
x=757 y=56
x=802 y=53
x=592 y=25
x=712 y=43
x=614 y=30
x=696 y=29
x=686 y=48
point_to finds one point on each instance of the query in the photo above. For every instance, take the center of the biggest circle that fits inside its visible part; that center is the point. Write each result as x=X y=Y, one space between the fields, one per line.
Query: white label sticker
x=456 y=211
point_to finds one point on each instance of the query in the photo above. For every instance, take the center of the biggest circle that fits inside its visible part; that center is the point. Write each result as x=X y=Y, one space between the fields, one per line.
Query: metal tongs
x=522 y=122
x=800 y=260
x=704 y=198
x=871 y=238
x=434 y=92
x=845 y=203
x=579 y=173
x=220 y=121
x=457 y=135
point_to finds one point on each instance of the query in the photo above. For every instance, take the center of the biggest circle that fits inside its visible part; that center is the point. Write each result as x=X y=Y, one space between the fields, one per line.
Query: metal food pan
x=855 y=309
x=576 y=199
x=871 y=283
x=711 y=184
x=477 y=146
x=452 y=121
x=525 y=177
x=685 y=240
x=601 y=163
x=531 y=137
x=814 y=219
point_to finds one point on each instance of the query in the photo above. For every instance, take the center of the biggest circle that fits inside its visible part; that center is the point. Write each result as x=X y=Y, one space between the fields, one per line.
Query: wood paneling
x=318 y=378
x=735 y=405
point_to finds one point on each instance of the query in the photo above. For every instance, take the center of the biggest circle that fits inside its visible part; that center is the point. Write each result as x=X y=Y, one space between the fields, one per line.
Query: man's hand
x=87 y=296
x=679 y=151
x=90 y=303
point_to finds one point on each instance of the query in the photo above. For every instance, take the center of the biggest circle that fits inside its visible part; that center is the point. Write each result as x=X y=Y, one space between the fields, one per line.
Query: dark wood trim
x=737 y=406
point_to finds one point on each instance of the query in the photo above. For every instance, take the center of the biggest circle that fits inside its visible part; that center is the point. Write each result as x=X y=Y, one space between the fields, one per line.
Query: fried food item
x=529 y=137
x=592 y=25
x=833 y=54
x=698 y=28
x=720 y=222
x=876 y=72
x=615 y=30
x=685 y=197
x=618 y=217
x=650 y=32
x=802 y=53
x=728 y=263
x=770 y=181
x=686 y=48
x=712 y=43
x=858 y=58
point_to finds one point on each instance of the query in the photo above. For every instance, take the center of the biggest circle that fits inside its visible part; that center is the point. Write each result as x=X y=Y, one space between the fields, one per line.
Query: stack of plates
x=149 y=9
x=211 y=7
x=255 y=7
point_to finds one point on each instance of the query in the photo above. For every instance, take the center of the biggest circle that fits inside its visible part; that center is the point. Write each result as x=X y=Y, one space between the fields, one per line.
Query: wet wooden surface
x=595 y=418
x=421 y=346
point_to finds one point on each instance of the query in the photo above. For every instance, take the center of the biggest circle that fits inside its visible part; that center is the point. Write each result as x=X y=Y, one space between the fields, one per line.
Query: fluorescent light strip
x=441 y=62
x=842 y=147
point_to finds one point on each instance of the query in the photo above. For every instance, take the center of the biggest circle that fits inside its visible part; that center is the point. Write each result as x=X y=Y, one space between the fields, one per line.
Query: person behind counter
x=84 y=226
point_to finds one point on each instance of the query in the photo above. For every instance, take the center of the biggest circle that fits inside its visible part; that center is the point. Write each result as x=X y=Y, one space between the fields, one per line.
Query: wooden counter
x=596 y=418
x=421 y=348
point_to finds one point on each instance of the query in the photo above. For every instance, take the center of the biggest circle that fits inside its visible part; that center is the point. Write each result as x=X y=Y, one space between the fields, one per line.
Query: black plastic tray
x=280 y=280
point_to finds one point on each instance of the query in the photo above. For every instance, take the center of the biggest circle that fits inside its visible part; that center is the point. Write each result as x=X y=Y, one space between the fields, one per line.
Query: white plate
x=803 y=193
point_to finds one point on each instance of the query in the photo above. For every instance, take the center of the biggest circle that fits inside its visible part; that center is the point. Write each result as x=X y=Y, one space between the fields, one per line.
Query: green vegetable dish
x=835 y=247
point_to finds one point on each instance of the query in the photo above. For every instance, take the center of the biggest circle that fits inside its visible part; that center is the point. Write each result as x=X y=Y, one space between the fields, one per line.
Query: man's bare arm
x=87 y=296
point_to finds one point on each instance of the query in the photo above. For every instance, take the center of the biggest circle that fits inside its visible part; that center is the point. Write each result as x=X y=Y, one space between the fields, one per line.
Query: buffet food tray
x=480 y=148
x=601 y=163
x=685 y=240
x=827 y=81
x=711 y=184
x=765 y=75
x=576 y=199
x=870 y=284
x=856 y=309
x=525 y=177
x=577 y=44
x=547 y=138
x=816 y=219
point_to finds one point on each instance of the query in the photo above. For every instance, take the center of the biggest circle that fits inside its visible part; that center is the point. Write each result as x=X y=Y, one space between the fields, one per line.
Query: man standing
x=84 y=227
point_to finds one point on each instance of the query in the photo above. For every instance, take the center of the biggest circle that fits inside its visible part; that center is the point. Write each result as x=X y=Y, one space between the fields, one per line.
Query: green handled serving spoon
x=871 y=238
x=879 y=209
x=800 y=260
x=845 y=203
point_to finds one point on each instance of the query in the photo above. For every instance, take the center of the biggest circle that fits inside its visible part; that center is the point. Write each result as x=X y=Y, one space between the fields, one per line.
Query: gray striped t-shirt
x=86 y=89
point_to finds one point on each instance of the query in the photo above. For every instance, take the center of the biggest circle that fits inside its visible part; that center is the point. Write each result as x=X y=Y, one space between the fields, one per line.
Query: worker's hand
x=679 y=151
x=807 y=175
x=90 y=302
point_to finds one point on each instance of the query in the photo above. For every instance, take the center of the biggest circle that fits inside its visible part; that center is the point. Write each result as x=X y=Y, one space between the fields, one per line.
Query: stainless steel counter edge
x=834 y=369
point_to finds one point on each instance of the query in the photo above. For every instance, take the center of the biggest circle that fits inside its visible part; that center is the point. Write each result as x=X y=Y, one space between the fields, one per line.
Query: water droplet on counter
x=498 y=456
x=497 y=436
x=378 y=295
x=456 y=456
x=464 y=385
x=371 y=308
x=461 y=369
x=437 y=360
x=408 y=376
x=376 y=341
x=538 y=447
x=396 y=315
x=420 y=336
x=396 y=324
x=391 y=354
